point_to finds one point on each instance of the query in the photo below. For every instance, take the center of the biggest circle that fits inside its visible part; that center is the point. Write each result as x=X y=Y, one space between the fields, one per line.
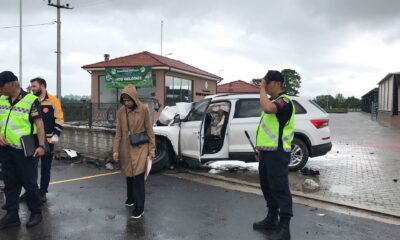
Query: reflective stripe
x=15 y=128
x=288 y=137
x=264 y=148
x=27 y=101
x=269 y=133
x=14 y=146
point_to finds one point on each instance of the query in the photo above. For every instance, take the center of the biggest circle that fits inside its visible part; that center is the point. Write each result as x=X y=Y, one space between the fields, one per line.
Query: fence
x=99 y=114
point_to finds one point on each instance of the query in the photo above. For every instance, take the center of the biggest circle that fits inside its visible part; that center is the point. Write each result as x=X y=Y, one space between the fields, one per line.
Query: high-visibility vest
x=14 y=120
x=267 y=138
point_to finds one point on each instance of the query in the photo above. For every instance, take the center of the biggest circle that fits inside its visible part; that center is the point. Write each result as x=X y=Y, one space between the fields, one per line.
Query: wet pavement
x=362 y=170
x=92 y=208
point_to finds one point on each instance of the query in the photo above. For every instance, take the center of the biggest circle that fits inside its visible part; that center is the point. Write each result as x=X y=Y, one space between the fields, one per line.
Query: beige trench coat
x=133 y=158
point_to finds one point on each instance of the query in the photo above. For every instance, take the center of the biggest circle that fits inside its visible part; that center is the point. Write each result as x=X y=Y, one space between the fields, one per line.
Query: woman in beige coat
x=133 y=159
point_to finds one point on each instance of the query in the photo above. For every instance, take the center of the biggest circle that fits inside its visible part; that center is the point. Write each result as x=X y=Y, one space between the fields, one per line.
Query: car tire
x=299 y=155
x=161 y=159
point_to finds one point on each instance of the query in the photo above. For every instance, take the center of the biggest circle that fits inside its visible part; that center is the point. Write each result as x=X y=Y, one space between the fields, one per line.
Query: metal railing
x=99 y=114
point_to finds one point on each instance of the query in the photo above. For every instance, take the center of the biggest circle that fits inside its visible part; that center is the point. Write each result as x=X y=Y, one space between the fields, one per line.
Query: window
x=248 y=108
x=301 y=110
x=199 y=109
x=107 y=95
x=177 y=90
x=251 y=108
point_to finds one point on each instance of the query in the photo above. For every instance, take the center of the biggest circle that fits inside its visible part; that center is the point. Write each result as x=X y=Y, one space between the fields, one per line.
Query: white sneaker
x=137 y=216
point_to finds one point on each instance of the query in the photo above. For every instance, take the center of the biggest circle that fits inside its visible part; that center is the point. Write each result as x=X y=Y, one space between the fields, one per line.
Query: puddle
x=344 y=190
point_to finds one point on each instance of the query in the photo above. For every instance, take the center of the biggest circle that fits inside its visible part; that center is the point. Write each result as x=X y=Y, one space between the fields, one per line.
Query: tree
x=340 y=100
x=292 y=81
x=353 y=102
x=255 y=82
x=326 y=101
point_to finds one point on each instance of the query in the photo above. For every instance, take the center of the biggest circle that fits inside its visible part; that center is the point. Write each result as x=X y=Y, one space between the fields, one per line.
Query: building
x=155 y=77
x=238 y=86
x=370 y=100
x=389 y=100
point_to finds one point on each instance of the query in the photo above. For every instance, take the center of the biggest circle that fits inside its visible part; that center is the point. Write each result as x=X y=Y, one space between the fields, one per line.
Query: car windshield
x=198 y=111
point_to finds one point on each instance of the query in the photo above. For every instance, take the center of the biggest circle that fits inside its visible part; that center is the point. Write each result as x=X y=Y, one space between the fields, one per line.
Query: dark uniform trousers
x=273 y=171
x=45 y=167
x=19 y=172
x=136 y=189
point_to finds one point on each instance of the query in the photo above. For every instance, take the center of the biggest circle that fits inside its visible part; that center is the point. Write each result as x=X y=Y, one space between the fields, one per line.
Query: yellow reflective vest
x=14 y=120
x=267 y=132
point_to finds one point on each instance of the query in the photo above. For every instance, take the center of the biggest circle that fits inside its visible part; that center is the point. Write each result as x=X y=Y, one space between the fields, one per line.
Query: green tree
x=353 y=102
x=255 y=82
x=292 y=82
x=326 y=101
x=340 y=100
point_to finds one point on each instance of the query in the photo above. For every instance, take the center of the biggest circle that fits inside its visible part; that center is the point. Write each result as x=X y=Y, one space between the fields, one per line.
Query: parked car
x=213 y=129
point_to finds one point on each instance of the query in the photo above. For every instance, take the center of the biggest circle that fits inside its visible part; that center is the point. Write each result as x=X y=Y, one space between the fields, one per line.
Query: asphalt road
x=175 y=209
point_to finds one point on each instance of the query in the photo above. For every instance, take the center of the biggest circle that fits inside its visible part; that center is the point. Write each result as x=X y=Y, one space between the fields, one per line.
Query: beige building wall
x=95 y=85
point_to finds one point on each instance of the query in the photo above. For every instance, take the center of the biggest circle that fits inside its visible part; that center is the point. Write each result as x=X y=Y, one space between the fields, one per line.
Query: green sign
x=138 y=76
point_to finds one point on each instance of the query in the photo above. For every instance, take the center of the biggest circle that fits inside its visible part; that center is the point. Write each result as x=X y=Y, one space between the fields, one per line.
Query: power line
x=30 y=25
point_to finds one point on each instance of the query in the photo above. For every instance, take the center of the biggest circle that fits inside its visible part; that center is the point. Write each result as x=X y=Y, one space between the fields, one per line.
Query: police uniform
x=16 y=120
x=273 y=142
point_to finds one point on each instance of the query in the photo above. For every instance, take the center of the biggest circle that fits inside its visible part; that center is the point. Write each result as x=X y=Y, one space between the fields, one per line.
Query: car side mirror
x=157 y=106
x=177 y=119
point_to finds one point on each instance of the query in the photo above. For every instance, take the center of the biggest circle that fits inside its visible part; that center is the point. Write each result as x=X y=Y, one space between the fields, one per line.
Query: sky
x=341 y=46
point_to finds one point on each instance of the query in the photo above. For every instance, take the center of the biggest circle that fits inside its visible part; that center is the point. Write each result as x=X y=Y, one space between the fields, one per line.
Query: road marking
x=83 y=178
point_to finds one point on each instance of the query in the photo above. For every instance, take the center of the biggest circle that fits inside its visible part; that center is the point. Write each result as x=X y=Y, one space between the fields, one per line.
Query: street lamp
x=168 y=54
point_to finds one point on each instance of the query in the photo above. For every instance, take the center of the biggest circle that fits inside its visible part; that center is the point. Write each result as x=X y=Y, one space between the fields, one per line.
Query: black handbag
x=136 y=138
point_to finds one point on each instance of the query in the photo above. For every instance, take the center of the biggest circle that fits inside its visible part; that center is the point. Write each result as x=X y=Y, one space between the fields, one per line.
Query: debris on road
x=232 y=166
x=310 y=185
x=309 y=171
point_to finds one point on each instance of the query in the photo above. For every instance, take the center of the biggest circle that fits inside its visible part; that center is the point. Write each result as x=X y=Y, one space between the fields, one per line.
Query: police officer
x=273 y=141
x=53 y=119
x=19 y=116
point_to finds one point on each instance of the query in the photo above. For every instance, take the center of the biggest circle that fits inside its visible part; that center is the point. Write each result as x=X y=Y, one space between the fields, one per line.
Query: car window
x=198 y=111
x=247 y=108
x=318 y=106
x=251 y=108
x=299 y=109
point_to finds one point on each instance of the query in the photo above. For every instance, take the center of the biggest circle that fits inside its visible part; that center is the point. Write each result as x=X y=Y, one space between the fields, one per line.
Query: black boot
x=11 y=219
x=283 y=230
x=43 y=197
x=129 y=192
x=269 y=222
x=34 y=220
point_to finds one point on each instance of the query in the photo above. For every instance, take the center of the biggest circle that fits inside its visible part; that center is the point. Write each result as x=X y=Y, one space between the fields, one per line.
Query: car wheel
x=161 y=159
x=299 y=155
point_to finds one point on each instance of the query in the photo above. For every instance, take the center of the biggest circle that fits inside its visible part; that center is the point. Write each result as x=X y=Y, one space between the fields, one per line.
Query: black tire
x=161 y=160
x=299 y=155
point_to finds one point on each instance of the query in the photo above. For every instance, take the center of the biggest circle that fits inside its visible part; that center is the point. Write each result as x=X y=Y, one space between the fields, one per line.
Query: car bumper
x=320 y=150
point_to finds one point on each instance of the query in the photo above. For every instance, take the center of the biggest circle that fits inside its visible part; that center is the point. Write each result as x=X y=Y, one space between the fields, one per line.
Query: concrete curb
x=303 y=195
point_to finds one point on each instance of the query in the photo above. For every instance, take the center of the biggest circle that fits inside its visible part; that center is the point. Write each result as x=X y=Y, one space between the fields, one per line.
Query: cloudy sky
x=341 y=46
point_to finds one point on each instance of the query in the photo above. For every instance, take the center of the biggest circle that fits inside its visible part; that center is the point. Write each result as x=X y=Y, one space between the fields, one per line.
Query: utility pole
x=59 y=7
x=20 y=43
x=162 y=23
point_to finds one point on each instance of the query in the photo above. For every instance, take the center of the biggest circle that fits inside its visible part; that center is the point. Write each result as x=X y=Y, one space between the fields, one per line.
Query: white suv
x=214 y=129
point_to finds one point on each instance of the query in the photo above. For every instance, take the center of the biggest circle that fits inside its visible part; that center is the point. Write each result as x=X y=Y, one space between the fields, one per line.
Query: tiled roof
x=145 y=59
x=238 y=86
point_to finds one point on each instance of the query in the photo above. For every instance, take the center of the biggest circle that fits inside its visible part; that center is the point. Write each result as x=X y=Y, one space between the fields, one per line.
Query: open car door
x=191 y=141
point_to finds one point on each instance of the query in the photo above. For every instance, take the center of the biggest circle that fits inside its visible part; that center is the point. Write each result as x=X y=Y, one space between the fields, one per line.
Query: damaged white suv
x=214 y=129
